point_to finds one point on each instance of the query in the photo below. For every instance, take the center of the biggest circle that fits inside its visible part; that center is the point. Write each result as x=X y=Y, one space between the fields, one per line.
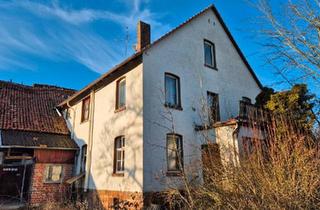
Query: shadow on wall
x=127 y=123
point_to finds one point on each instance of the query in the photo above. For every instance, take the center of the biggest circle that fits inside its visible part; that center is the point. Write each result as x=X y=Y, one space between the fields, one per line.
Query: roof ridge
x=35 y=85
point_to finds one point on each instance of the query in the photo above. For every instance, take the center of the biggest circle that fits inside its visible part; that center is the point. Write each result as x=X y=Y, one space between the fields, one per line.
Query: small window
x=172 y=91
x=85 y=109
x=53 y=173
x=119 y=145
x=174 y=153
x=209 y=54
x=121 y=94
x=213 y=107
x=83 y=158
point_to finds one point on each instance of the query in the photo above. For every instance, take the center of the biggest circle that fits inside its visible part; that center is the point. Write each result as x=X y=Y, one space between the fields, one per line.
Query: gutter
x=102 y=77
x=35 y=147
x=90 y=141
x=73 y=119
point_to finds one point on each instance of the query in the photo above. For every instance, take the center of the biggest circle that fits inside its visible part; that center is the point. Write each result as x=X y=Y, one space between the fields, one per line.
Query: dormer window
x=209 y=54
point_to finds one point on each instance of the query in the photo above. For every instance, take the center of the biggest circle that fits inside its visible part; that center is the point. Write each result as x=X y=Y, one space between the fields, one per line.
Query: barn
x=37 y=153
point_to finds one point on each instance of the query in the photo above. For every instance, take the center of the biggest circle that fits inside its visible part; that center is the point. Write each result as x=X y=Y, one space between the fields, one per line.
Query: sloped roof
x=30 y=139
x=32 y=108
x=139 y=53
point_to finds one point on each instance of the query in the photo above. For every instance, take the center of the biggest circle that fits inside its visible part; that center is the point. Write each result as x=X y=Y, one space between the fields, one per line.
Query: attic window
x=121 y=94
x=209 y=55
x=85 y=109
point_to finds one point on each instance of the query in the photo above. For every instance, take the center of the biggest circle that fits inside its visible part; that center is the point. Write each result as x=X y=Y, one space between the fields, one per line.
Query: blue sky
x=70 y=43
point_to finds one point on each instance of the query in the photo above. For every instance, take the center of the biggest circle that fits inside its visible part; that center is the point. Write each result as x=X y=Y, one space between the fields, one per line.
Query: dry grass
x=282 y=172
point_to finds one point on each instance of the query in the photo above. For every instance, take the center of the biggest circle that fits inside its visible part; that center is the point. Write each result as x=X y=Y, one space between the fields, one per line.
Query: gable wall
x=182 y=54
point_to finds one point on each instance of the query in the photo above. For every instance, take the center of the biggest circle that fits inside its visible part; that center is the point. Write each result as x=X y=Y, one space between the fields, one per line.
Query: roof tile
x=31 y=108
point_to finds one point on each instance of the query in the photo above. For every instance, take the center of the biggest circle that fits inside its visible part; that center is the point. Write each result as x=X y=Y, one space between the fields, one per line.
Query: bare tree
x=292 y=38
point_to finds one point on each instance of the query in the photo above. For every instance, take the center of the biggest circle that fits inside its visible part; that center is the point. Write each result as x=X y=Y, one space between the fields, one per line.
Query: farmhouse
x=144 y=122
x=138 y=127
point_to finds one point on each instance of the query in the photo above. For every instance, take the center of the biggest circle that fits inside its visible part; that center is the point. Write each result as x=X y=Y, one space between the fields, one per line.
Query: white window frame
x=177 y=103
x=213 y=54
x=47 y=170
x=120 y=150
x=179 y=166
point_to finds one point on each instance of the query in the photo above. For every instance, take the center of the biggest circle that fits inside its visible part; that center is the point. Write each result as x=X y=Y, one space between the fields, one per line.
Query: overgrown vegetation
x=297 y=102
x=279 y=172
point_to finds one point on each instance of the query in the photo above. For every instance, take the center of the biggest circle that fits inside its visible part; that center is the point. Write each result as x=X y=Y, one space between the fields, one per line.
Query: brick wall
x=104 y=199
x=41 y=192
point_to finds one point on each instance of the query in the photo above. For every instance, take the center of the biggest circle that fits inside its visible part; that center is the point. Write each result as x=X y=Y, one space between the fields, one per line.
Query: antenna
x=126 y=41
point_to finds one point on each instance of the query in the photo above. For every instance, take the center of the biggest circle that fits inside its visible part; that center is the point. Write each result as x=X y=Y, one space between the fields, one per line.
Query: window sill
x=118 y=174
x=177 y=107
x=84 y=121
x=52 y=182
x=120 y=109
x=174 y=173
x=203 y=127
x=211 y=67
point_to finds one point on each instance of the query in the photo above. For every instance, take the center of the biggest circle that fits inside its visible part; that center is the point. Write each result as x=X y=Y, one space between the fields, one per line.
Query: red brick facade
x=41 y=192
x=105 y=199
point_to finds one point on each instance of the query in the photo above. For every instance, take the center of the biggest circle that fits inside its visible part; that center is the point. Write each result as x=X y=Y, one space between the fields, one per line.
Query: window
x=174 y=153
x=68 y=114
x=83 y=158
x=245 y=109
x=121 y=94
x=119 y=145
x=246 y=100
x=209 y=54
x=53 y=174
x=213 y=107
x=85 y=109
x=172 y=91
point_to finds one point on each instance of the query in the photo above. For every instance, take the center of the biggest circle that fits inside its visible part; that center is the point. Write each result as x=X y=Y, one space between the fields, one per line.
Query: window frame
x=117 y=105
x=45 y=178
x=117 y=172
x=83 y=157
x=178 y=170
x=83 y=118
x=246 y=100
x=211 y=121
x=178 y=105
x=213 y=54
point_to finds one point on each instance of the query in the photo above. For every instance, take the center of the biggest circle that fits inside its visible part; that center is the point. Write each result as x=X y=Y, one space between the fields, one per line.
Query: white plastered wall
x=182 y=54
x=109 y=124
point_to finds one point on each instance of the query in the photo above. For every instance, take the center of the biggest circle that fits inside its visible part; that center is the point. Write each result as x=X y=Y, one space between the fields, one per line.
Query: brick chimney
x=143 y=35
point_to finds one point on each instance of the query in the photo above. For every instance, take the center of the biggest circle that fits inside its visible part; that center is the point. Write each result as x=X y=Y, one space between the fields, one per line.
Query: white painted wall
x=182 y=54
x=109 y=124
x=145 y=121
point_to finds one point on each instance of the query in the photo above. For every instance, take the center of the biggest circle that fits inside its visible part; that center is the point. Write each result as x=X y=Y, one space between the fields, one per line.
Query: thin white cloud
x=65 y=33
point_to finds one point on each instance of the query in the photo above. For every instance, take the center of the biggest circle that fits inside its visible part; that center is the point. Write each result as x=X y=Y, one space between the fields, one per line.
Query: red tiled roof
x=32 y=108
